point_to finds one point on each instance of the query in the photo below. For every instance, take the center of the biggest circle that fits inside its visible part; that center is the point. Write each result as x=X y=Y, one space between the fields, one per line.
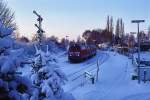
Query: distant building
x=145 y=46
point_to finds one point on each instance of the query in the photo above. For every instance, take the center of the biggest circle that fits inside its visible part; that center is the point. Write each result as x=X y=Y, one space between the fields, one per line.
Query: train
x=79 y=52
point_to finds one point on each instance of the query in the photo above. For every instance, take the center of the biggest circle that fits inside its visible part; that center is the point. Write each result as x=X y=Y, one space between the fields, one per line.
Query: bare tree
x=117 y=29
x=7 y=17
x=109 y=25
x=121 y=27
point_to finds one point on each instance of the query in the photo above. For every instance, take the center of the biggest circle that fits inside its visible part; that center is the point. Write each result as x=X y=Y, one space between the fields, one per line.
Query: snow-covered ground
x=114 y=81
x=114 y=78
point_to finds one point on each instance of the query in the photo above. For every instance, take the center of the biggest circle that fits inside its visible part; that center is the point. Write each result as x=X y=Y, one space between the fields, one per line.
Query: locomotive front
x=74 y=53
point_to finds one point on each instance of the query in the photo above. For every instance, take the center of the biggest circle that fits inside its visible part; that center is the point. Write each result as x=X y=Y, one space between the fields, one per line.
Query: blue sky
x=72 y=17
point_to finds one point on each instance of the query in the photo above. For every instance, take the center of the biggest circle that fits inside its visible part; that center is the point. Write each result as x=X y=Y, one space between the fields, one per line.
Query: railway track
x=101 y=62
x=77 y=74
x=76 y=78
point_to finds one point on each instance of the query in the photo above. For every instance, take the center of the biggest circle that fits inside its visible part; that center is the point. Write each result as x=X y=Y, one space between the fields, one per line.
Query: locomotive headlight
x=78 y=54
x=70 y=54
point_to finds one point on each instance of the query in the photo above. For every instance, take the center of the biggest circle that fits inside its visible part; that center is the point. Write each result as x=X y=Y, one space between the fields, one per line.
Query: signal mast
x=39 y=27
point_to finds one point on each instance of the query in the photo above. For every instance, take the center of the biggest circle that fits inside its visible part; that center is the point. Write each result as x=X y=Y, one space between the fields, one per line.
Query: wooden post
x=97 y=73
x=92 y=80
x=145 y=75
x=132 y=56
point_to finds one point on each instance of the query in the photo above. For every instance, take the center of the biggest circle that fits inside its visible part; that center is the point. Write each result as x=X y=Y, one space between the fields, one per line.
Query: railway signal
x=39 y=27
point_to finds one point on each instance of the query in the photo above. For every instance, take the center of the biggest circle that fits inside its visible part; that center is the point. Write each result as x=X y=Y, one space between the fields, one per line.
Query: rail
x=89 y=68
x=88 y=73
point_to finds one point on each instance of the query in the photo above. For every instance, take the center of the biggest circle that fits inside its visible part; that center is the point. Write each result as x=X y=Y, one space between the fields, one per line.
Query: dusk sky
x=73 y=17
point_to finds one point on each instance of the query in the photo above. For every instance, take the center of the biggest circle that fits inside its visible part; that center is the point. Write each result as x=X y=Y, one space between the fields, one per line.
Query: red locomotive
x=78 y=52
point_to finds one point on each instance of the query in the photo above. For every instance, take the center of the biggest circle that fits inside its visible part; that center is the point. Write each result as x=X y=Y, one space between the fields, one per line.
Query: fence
x=144 y=69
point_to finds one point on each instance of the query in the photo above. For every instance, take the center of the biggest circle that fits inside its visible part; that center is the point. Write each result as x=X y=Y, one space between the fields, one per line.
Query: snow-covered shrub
x=12 y=85
x=47 y=77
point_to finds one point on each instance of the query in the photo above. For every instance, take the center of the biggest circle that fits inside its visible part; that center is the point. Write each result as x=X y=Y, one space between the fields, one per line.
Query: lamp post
x=138 y=22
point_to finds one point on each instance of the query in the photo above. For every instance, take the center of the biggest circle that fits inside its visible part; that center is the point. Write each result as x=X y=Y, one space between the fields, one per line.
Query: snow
x=10 y=62
x=114 y=79
x=4 y=31
x=45 y=76
x=46 y=89
x=12 y=85
x=50 y=76
x=6 y=42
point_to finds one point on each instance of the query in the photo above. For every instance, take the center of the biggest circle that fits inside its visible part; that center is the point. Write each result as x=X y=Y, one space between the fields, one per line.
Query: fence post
x=82 y=83
x=97 y=70
x=145 y=75
x=92 y=80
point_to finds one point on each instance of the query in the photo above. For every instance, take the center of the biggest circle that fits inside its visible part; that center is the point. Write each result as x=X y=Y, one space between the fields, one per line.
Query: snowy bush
x=12 y=85
x=47 y=77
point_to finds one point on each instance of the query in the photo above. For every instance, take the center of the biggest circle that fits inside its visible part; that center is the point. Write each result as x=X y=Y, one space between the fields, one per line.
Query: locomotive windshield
x=75 y=47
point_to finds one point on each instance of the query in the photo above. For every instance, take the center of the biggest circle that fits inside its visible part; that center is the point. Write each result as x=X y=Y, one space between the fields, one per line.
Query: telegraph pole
x=39 y=26
x=138 y=22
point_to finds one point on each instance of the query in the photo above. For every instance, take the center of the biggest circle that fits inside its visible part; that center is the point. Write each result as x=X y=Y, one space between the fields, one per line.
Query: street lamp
x=138 y=22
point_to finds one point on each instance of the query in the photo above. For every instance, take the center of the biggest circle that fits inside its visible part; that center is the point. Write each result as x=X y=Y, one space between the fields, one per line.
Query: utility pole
x=39 y=26
x=138 y=22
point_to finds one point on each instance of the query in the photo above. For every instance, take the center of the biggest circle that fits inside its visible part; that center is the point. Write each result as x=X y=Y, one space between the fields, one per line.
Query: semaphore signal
x=39 y=27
